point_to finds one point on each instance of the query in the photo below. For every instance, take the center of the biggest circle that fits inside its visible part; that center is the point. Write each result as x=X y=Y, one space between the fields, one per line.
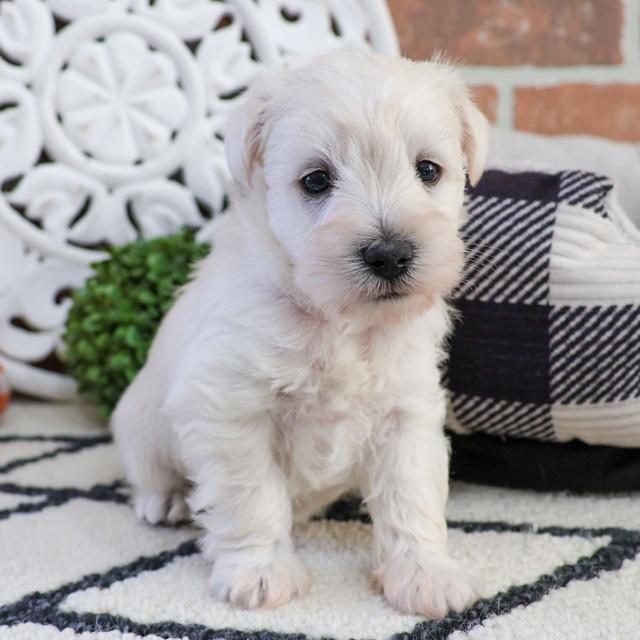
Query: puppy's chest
x=331 y=407
x=336 y=378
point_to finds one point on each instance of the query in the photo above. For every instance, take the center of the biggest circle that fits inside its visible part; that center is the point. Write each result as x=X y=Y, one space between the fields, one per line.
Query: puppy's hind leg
x=141 y=436
x=164 y=502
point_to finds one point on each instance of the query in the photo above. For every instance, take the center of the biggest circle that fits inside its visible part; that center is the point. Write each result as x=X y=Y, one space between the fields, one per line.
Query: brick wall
x=549 y=66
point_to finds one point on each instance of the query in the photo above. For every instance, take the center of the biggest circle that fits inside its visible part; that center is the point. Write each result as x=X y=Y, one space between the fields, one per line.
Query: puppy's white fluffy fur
x=284 y=375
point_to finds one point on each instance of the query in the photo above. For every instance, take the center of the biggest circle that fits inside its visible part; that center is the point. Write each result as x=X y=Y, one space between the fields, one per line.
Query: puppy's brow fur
x=289 y=371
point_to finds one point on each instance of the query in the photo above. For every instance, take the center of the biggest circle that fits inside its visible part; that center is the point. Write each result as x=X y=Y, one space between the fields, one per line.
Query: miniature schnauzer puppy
x=302 y=360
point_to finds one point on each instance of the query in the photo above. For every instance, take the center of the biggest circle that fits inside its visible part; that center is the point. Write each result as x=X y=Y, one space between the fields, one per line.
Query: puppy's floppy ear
x=474 y=125
x=244 y=135
x=475 y=135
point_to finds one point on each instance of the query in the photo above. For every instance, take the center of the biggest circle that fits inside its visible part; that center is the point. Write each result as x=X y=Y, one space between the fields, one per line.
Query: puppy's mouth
x=390 y=296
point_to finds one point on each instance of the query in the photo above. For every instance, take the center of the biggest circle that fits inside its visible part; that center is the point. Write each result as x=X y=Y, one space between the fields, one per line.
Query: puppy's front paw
x=263 y=578
x=431 y=586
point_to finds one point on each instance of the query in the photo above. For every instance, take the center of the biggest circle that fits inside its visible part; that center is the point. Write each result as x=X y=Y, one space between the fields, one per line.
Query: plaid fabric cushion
x=547 y=345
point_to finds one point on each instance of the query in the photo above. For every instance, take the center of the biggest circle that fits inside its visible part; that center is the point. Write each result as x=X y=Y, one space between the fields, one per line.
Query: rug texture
x=75 y=563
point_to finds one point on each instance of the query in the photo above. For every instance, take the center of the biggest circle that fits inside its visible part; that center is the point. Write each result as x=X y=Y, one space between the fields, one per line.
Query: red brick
x=512 y=32
x=611 y=110
x=4 y=402
x=486 y=97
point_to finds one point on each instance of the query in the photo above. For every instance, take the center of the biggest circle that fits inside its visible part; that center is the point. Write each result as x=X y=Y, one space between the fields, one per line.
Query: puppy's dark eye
x=316 y=182
x=428 y=171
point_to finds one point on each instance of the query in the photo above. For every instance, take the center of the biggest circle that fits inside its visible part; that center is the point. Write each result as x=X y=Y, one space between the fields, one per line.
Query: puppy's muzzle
x=388 y=258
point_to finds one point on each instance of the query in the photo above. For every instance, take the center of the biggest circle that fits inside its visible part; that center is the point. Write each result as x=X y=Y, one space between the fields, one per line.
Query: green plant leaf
x=115 y=315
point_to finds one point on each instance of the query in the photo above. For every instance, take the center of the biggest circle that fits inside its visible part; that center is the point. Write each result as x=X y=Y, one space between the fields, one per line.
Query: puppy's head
x=362 y=161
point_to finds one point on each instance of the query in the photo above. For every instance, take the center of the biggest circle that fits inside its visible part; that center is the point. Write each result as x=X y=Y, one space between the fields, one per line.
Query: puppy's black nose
x=388 y=259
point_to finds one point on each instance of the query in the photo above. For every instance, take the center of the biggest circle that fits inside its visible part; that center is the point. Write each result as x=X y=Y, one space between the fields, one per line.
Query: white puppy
x=302 y=360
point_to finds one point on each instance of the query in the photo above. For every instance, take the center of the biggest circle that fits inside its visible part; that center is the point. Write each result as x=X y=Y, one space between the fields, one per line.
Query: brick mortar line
x=631 y=32
x=505 y=116
x=549 y=76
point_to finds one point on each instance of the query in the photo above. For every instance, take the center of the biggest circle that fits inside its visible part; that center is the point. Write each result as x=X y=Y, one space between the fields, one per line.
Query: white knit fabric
x=79 y=541
x=595 y=262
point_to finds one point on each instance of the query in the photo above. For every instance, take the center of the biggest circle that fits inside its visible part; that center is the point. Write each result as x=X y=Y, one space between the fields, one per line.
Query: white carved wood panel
x=111 y=119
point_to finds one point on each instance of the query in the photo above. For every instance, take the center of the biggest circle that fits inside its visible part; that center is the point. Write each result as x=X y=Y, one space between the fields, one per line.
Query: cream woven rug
x=75 y=563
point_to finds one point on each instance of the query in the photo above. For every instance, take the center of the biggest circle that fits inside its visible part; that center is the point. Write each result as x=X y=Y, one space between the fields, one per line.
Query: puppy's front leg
x=241 y=501
x=407 y=492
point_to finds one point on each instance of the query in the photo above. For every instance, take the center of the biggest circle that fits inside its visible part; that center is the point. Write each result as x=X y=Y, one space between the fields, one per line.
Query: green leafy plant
x=115 y=316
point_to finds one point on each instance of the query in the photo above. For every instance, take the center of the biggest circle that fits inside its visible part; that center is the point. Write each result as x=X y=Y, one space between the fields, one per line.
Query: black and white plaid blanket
x=548 y=343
